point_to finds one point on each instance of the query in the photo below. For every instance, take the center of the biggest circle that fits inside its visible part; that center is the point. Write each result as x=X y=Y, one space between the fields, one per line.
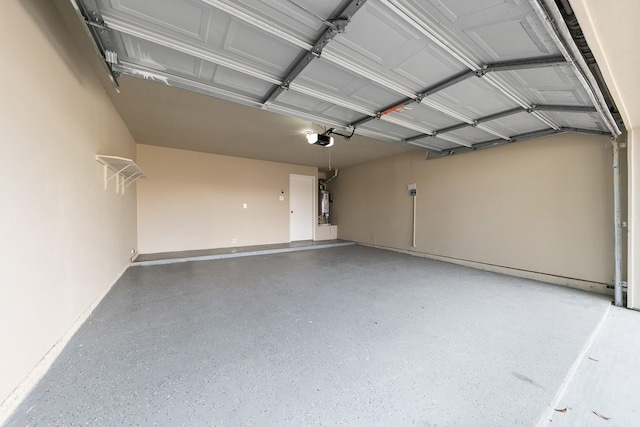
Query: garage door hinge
x=97 y=22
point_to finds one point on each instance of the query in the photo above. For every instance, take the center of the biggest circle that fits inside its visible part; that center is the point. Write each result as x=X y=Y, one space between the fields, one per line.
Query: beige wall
x=193 y=200
x=543 y=206
x=606 y=25
x=63 y=239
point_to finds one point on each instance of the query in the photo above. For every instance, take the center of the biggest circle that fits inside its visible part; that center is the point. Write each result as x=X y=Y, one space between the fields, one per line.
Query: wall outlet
x=244 y=206
x=234 y=240
x=281 y=198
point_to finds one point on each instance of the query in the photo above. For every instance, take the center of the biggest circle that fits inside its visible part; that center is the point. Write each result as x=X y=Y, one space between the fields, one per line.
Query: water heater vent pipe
x=335 y=175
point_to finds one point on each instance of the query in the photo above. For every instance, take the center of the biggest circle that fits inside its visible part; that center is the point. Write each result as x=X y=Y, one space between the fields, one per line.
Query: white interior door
x=301 y=207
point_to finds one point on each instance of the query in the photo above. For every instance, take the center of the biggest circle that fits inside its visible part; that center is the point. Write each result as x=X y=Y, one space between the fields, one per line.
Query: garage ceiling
x=445 y=76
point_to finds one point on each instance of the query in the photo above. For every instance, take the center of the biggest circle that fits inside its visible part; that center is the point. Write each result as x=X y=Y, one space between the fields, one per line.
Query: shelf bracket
x=125 y=171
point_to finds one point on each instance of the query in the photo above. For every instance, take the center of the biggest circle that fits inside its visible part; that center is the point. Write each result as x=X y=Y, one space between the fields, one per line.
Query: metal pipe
x=414 y=220
x=617 y=218
x=335 y=175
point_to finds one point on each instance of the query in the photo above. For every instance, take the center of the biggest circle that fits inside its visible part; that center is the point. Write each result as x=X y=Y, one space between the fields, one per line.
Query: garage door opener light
x=320 y=139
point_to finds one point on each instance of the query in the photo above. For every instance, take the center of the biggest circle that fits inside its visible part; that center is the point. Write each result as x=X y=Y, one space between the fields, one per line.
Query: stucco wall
x=192 y=200
x=64 y=239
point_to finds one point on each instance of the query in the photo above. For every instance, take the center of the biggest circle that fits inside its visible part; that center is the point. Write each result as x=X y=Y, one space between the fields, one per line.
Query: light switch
x=244 y=206
x=281 y=198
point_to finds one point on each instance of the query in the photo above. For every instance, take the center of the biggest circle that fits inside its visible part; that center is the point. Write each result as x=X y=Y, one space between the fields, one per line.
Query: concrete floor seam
x=553 y=405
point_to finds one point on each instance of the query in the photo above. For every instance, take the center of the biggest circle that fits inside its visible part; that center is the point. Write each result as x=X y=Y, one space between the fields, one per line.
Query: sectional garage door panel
x=550 y=85
x=394 y=131
x=517 y=124
x=435 y=144
x=406 y=71
x=427 y=117
x=151 y=56
x=473 y=98
x=329 y=80
x=380 y=40
x=471 y=134
x=297 y=101
x=488 y=30
x=577 y=120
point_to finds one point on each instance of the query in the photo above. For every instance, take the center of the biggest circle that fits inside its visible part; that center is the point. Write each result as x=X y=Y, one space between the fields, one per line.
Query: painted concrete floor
x=345 y=336
x=234 y=252
x=602 y=389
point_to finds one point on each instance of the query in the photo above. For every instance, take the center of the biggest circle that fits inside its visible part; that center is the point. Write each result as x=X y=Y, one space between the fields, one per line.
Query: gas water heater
x=324 y=198
x=324 y=207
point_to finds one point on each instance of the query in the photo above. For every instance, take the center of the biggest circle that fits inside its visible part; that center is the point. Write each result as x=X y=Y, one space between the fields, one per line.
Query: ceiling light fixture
x=320 y=139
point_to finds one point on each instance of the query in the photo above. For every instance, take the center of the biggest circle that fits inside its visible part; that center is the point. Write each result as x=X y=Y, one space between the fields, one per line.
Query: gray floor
x=603 y=388
x=234 y=252
x=344 y=336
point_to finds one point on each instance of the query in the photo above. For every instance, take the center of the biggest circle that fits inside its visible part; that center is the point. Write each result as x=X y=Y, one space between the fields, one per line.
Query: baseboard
x=17 y=396
x=584 y=285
